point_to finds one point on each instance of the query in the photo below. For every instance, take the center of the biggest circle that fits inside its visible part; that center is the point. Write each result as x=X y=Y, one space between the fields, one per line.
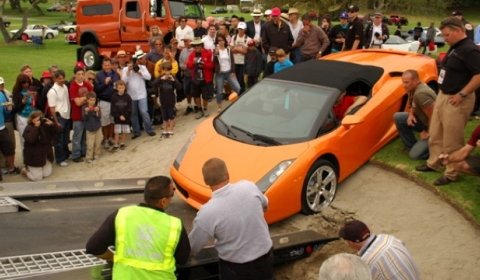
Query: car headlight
x=182 y=152
x=273 y=175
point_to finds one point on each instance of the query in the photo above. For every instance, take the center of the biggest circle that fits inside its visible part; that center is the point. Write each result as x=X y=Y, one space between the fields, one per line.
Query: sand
x=443 y=243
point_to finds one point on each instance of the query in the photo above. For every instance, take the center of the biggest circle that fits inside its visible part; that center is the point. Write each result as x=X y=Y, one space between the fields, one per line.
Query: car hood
x=244 y=161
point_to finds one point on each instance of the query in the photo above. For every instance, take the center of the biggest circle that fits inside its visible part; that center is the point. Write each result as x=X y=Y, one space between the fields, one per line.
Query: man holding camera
x=135 y=76
x=338 y=32
x=376 y=33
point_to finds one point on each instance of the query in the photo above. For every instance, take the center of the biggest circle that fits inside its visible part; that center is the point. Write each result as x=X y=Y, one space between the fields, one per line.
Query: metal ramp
x=10 y=205
x=20 y=267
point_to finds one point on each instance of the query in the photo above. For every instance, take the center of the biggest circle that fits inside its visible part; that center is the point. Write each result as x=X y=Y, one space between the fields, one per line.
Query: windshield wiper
x=260 y=137
x=229 y=131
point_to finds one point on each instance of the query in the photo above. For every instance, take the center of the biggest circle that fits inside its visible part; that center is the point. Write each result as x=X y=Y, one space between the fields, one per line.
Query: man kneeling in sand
x=464 y=161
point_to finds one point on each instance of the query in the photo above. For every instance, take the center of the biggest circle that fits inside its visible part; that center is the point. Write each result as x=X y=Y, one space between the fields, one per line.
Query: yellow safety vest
x=145 y=244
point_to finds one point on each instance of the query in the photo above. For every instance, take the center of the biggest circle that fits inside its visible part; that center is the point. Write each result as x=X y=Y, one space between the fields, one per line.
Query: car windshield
x=275 y=113
x=188 y=9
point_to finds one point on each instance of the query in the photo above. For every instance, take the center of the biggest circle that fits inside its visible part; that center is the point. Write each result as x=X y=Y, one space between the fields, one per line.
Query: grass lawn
x=462 y=194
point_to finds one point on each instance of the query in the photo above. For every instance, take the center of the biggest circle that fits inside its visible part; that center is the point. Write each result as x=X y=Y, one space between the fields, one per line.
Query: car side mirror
x=233 y=97
x=351 y=120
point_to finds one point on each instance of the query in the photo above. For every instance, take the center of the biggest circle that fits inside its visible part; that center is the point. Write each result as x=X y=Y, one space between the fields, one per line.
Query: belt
x=8 y=120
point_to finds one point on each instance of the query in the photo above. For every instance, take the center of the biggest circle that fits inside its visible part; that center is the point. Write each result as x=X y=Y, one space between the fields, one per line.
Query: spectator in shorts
x=92 y=118
x=103 y=87
x=187 y=75
x=78 y=89
x=254 y=64
x=270 y=68
x=201 y=65
x=9 y=121
x=165 y=87
x=283 y=62
x=122 y=113
x=38 y=151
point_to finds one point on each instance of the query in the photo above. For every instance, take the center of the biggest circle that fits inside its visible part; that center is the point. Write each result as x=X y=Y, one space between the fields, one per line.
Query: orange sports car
x=283 y=134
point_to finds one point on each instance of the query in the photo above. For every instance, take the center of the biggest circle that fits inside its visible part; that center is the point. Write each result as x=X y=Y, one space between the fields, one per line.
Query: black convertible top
x=330 y=73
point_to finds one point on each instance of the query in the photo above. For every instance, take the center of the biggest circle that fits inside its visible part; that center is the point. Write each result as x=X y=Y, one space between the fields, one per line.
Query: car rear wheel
x=49 y=36
x=90 y=57
x=320 y=187
x=71 y=30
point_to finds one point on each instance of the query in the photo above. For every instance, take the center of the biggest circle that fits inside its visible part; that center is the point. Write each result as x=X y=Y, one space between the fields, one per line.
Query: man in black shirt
x=417 y=31
x=158 y=194
x=354 y=37
x=469 y=30
x=199 y=31
x=458 y=79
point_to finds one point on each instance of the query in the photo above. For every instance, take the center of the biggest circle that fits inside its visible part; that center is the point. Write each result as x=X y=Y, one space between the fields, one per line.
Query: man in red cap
x=277 y=34
x=386 y=256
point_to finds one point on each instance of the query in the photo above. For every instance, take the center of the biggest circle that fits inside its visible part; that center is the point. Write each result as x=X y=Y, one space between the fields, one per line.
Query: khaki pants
x=94 y=144
x=11 y=131
x=447 y=130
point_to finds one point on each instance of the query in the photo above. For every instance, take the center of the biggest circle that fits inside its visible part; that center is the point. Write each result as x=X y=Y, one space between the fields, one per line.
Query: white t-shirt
x=258 y=29
x=374 y=30
x=295 y=30
x=224 y=60
x=238 y=41
x=182 y=33
x=208 y=43
x=59 y=98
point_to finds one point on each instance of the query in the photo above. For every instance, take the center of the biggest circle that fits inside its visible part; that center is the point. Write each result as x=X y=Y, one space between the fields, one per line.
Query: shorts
x=6 y=145
x=105 y=118
x=121 y=129
x=168 y=114
x=474 y=163
x=200 y=90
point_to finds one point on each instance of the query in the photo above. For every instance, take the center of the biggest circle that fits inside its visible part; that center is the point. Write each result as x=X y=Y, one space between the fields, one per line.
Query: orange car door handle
x=124 y=28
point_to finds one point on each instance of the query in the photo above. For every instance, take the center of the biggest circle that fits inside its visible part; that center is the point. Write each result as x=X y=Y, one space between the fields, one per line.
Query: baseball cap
x=344 y=15
x=80 y=64
x=355 y=231
x=353 y=8
x=457 y=13
x=276 y=12
x=2 y=81
x=251 y=42
x=377 y=14
x=242 y=25
x=268 y=12
x=121 y=52
x=272 y=51
x=46 y=75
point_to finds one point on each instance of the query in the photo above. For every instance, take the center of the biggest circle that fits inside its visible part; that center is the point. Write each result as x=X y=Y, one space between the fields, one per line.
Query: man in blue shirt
x=6 y=145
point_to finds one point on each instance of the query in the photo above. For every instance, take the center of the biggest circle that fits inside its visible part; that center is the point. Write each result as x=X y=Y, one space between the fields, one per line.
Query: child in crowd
x=165 y=86
x=253 y=65
x=91 y=117
x=270 y=68
x=121 y=111
x=283 y=61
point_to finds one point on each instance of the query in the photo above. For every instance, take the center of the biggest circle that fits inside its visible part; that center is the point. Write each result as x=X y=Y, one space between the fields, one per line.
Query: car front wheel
x=319 y=187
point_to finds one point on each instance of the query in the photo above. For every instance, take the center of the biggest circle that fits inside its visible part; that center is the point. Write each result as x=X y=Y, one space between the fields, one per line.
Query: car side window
x=132 y=9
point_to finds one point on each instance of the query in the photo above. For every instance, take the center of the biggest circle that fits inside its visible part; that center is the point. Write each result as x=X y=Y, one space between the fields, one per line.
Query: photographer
x=135 y=76
x=337 y=33
x=376 y=33
x=38 y=152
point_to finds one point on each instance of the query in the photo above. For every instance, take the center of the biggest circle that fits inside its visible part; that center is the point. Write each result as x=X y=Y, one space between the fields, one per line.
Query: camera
x=43 y=119
x=136 y=68
x=340 y=35
x=200 y=61
x=376 y=34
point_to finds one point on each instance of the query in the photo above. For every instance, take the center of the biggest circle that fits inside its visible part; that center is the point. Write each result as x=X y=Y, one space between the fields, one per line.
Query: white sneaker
x=63 y=163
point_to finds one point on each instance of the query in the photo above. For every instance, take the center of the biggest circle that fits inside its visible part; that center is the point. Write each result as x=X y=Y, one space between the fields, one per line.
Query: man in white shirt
x=239 y=48
x=59 y=104
x=254 y=28
x=295 y=26
x=135 y=79
x=209 y=40
x=182 y=31
x=376 y=33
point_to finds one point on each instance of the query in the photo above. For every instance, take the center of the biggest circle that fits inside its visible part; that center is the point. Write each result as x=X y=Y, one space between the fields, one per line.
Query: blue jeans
x=61 y=140
x=220 y=78
x=295 y=56
x=418 y=148
x=142 y=106
x=79 y=140
x=239 y=68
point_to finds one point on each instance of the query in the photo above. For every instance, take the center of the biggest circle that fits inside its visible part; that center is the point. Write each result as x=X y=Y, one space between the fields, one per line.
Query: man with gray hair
x=234 y=217
x=344 y=266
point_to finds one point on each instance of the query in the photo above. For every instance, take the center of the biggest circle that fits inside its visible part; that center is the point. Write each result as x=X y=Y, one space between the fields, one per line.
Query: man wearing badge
x=458 y=79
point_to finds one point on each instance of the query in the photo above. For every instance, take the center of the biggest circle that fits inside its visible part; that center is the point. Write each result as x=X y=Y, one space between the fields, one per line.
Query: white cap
x=2 y=81
x=268 y=12
x=242 y=25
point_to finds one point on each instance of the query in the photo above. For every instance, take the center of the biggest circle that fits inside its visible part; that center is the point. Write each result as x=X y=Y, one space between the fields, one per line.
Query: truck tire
x=90 y=57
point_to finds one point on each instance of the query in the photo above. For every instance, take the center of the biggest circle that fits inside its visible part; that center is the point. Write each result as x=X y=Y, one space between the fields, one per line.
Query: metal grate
x=46 y=263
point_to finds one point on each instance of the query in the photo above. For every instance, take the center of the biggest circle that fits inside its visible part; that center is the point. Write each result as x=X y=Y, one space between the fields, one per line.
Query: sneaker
x=110 y=142
x=77 y=159
x=135 y=136
x=89 y=160
x=164 y=134
x=170 y=133
x=4 y=171
x=219 y=110
x=63 y=164
x=15 y=170
x=152 y=133
x=106 y=145
x=199 y=115
x=115 y=148
x=122 y=146
x=205 y=113
x=188 y=111
x=196 y=109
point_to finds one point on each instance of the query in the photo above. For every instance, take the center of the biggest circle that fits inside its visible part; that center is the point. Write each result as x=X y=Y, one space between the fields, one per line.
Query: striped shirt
x=388 y=258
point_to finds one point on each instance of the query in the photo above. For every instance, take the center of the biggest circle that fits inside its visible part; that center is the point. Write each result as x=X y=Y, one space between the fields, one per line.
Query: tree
x=5 y=34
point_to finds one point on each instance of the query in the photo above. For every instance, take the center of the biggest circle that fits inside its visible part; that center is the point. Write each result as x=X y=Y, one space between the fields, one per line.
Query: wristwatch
x=463 y=95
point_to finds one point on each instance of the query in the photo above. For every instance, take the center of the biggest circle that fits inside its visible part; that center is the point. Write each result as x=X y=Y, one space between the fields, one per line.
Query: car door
x=36 y=31
x=132 y=26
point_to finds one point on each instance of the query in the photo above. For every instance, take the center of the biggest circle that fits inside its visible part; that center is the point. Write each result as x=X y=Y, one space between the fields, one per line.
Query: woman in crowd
x=326 y=27
x=155 y=33
x=38 y=151
x=171 y=33
x=25 y=102
x=224 y=68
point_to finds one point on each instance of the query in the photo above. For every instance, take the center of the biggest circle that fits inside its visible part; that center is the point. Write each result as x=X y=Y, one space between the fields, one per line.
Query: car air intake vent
x=395 y=74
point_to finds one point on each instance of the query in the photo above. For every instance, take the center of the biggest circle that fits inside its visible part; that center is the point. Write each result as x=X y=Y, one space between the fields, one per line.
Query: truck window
x=188 y=9
x=132 y=9
x=98 y=9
